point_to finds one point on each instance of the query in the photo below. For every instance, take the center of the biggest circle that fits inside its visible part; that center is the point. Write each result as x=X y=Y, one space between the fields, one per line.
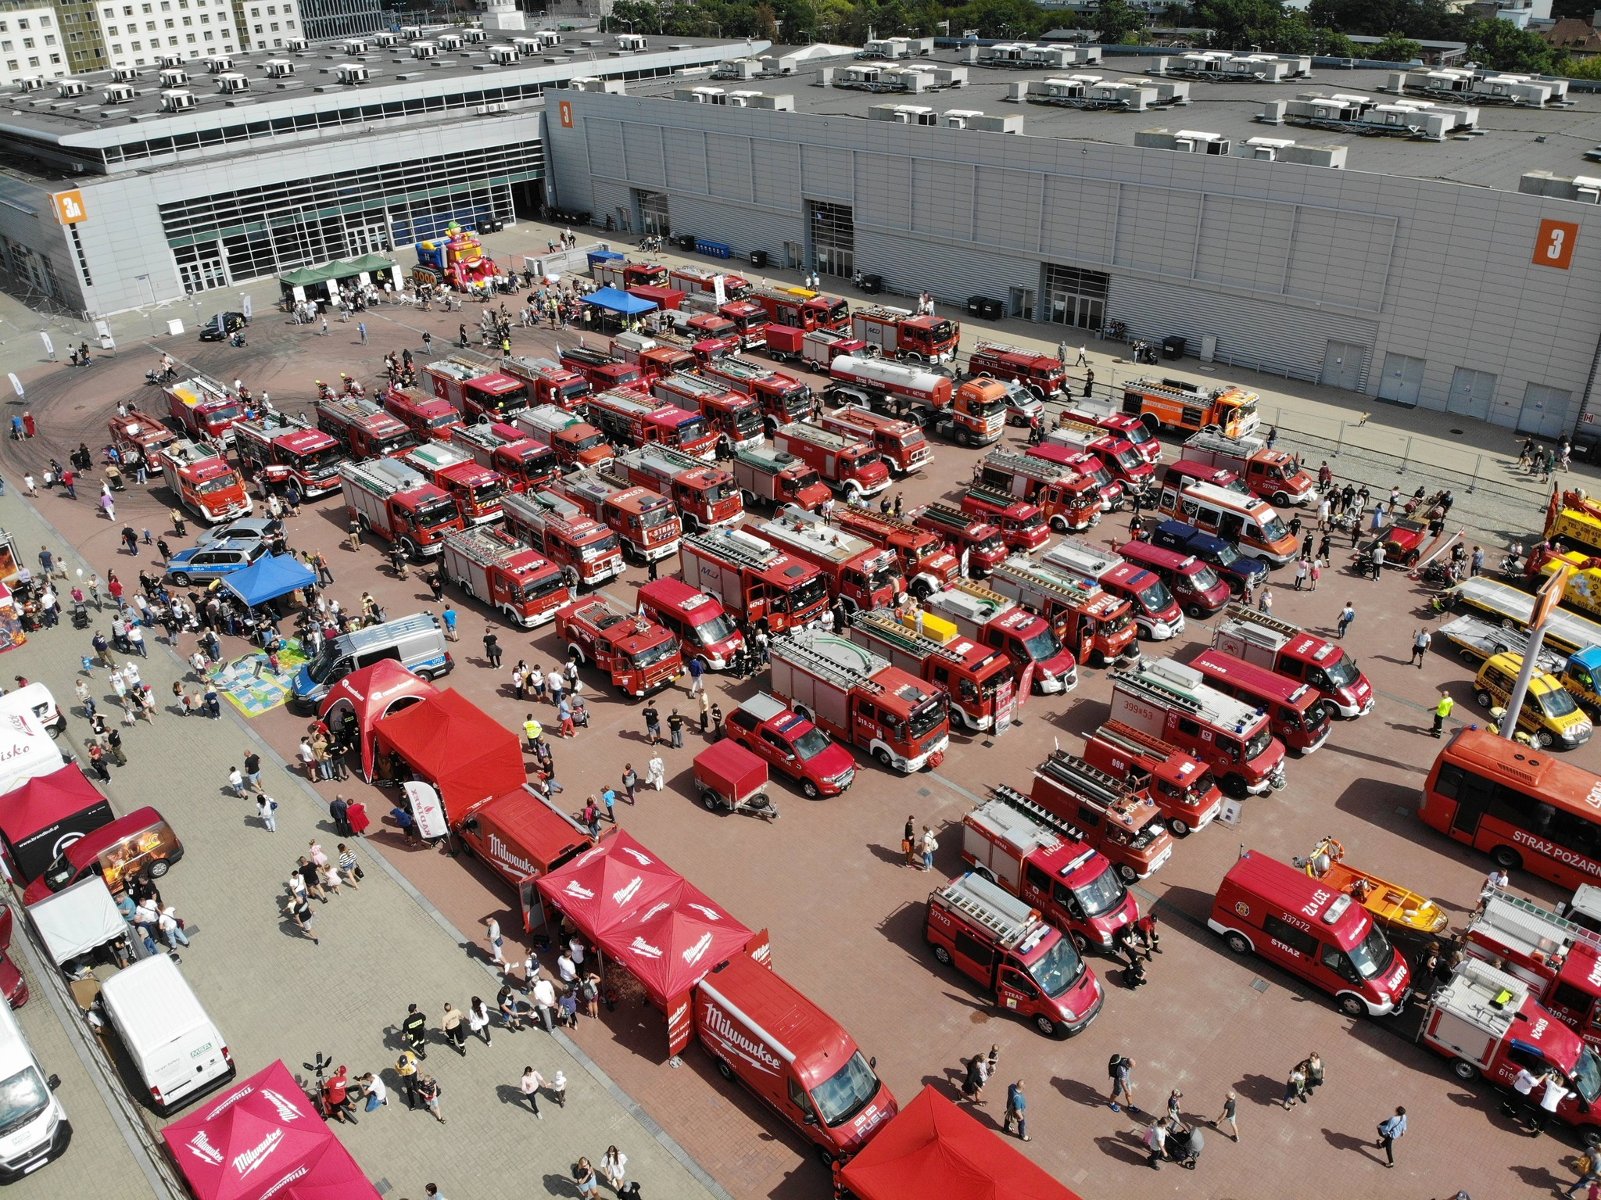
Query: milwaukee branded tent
x=450 y=742
x=369 y=695
x=608 y=884
x=47 y=813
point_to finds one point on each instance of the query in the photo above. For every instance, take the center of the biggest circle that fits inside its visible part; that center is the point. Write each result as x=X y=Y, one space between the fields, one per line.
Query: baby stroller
x=80 y=616
x=1184 y=1145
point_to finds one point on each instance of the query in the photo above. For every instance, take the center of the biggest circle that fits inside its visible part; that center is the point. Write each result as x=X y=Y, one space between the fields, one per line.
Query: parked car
x=792 y=745
x=221 y=325
x=202 y=564
x=240 y=534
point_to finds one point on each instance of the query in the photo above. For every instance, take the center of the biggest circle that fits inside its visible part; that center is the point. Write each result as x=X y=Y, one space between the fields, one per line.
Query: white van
x=36 y=698
x=33 y=1125
x=416 y=642
x=177 y=1050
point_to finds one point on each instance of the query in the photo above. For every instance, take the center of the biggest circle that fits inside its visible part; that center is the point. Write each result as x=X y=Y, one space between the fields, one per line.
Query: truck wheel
x=1127 y=873
x=882 y=755
x=1483 y=698
x=180 y=578
x=804 y=713
x=1059 y=524
x=1237 y=942
x=574 y=650
x=943 y=955
x=1045 y=1025
x=748 y=499
x=922 y=589
x=691 y=522
x=809 y=789
x=824 y=1157
x=1195 y=612
x=964 y=437
x=1542 y=739
x=711 y=800
x=1080 y=943
x=1281 y=499
x=1464 y=1070
x=1234 y=787
x=1178 y=827
x=569 y=576
x=1152 y=425
x=1351 y=1005
x=55 y=731
x=723 y=1069
x=409 y=549
x=159 y=868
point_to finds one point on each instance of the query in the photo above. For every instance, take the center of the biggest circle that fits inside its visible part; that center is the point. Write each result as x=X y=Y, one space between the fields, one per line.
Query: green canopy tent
x=330 y=275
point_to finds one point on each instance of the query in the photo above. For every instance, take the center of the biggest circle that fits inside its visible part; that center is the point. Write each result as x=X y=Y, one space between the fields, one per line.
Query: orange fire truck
x=204 y=483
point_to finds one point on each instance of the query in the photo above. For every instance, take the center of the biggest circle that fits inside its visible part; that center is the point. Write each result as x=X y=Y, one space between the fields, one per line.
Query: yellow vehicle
x=1574 y=522
x=1393 y=906
x=1583 y=588
x=1565 y=630
x=1550 y=715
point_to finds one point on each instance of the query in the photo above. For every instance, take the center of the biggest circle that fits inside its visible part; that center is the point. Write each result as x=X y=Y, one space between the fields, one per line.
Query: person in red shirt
x=336 y=1096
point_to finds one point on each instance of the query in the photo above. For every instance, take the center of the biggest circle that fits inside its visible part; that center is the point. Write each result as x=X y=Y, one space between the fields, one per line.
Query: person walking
x=299 y=909
x=448 y=616
x=492 y=649
x=1391 y=1130
x=1264 y=602
x=1294 y=1086
x=529 y=1085
x=697 y=676
x=928 y=843
x=630 y=781
x=656 y=772
x=1121 y=1070
x=478 y=1020
x=1155 y=1140
x=1442 y=710
x=1347 y=616
x=584 y=1180
x=406 y=1070
x=1589 y=1168
x=252 y=770
x=415 y=1030
x=613 y=1165
x=267 y=810
x=495 y=940
x=236 y=782
x=428 y=1094
x=454 y=1024
x=653 y=724
x=1313 y=1069
x=1231 y=1107
x=973 y=1079
x=1420 y=647
x=1016 y=1110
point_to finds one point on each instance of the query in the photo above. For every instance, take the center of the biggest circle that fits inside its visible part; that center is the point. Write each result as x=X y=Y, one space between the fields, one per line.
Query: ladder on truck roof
x=595 y=485
x=1072 y=425
x=352 y=408
x=998 y=499
x=1045 y=819
x=742 y=369
x=884 y=624
x=1026 y=465
x=986 y=905
x=842 y=663
x=545 y=510
x=988 y=347
x=881 y=523
x=883 y=312
x=1073 y=772
x=816 y=435
x=741 y=548
x=1047 y=580
x=1083 y=557
x=384 y=477
x=592 y=358
x=626 y=401
x=482 y=545
x=473 y=360
x=1250 y=616
x=661 y=460
x=1143 y=679
x=1542 y=929
x=1134 y=741
x=806 y=529
x=1216 y=439
x=696 y=384
x=459 y=371
x=947 y=515
x=437 y=456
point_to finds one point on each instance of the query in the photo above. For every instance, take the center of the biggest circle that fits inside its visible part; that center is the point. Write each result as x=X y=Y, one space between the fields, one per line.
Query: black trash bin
x=684 y=241
x=872 y=284
x=1173 y=347
x=984 y=306
x=758 y=258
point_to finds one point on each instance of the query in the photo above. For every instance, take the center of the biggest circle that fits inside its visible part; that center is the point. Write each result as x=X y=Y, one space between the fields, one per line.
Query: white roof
x=76 y=920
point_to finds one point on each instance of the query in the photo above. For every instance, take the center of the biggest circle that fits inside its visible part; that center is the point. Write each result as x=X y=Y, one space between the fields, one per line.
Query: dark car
x=1223 y=557
x=221 y=325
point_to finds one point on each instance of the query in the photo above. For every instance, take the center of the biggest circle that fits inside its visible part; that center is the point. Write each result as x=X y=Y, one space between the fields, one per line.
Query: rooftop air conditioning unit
x=449 y=41
x=218 y=64
x=527 y=47
x=351 y=73
x=411 y=32
x=124 y=74
x=1587 y=195
x=30 y=83
x=473 y=35
x=71 y=87
x=279 y=68
x=503 y=56
x=174 y=78
x=169 y=60
x=296 y=45
x=424 y=49
x=118 y=93
x=177 y=100
x=353 y=46
x=232 y=82
x=385 y=40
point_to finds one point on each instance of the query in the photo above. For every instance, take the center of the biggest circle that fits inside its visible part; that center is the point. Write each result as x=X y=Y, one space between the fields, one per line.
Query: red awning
x=465 y=752
x=372 y=693
x=933 y=1148
x=263 y=1139
x=671 y=944
x=605 y=886
x=42 y=815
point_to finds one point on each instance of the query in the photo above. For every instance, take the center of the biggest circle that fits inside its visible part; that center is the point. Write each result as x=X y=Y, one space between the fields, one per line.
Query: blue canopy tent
x=268 y=578
x=619 y=302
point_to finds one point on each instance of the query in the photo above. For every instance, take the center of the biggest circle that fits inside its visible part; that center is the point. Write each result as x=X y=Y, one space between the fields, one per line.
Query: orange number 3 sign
x=1554 y=246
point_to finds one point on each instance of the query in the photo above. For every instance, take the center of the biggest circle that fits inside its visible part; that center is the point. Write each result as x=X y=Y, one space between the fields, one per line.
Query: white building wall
x=269 y=22
x=137 y=33
x=30 y=45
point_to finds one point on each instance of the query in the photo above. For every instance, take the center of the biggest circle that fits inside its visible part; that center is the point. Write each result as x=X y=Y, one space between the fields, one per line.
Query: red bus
x=1519 y=805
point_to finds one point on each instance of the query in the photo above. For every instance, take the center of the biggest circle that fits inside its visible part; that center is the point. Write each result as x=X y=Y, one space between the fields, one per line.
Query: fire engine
x=1094 y=410
x=203 y=409
x=365 y=429
x=1038 y=658
x=701 y=326
x=973 y=413
x=976 y=679
x=1125 y=464
x=860 y=699
x=1155 y=610
x=897 y=333
x=1179 y=404
x=706 y=496
x=858 y=574
x=476 y=391
x=654 y=359
x=548 y=382
x=748 y=317
x=1069 y=500
x=574 y=441
x=636 y=419
x=849 y=465
x=703 y=629
x=900 y=443
x=770 y=478
x=1121 y=822
x=1071 y=457
x=601 y=371
x=140 y=437
x=283 y=447
x=394 y=501
x=422 y=412
x=1095 y=625
x=645 y=522
x=499 y=571
x=1022 y=524
x=782 y=398
x=732 y=416
x=1291 y=651
x=1271 y=474
x=816 y=348
x=802 y=309
x=693 y=279
x=1171 y=701
x=1182 y=786
x=977 y=542
x=584 y=549
x=624 y=275
x=754 y=580
x=703 y=347
x=1042 y=374
x=640 y=656
x=924 y=561
x=204 y=483
x=477 y=489
x=522 y=462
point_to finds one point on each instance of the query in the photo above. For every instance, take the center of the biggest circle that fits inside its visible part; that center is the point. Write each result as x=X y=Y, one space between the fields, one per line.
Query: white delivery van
x=36 y=698
x=33 y=1125
x=177 y=1050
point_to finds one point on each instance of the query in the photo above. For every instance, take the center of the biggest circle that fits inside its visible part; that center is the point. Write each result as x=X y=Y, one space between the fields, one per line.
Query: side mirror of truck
x=53 y=1082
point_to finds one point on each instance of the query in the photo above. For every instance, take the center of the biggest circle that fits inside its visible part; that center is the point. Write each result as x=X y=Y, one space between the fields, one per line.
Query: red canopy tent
x=933 y=1148
x=40 y=817
x=370 y=695
x=264 y=1139
x=461 y=749
x=606 y=885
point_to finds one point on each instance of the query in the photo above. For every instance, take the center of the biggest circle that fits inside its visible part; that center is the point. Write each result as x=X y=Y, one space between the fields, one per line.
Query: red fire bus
x=1519 y=805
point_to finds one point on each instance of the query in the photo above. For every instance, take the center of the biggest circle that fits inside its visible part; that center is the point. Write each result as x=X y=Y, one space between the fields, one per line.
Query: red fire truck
x=703 y=326
x=521 y=461
x=282 y=448
x=1121 y=822
x=703 y=629
x=476 y=392
x=601 y=371
x=1155 y=611
x=655 y=360
x=706 y=496
x=1042 y=374
x=1087 y=465
x=924 y=561
x=976 y=679
x=422 y=412
x=636 y=419
x=972 y=413
x=1038 y=658
x=646 y=523
x=900 y=443
x=394 y=501
x=203 y=408
x=204 y=483
x=769 y=478
x=858 y=574
x=363 y=428
x=816 y=348
x=1273 y=475
x=664 y=298
x=584 y=549
x=624 y=275
x=782 y=398
x=860 y=699
x=748 y=317
x=1182 y=786
x=499 y=571
x=1171 y=701
x=898 y=334
x=978 y=543
x=802 y=309
x=732 y=416
x=1126 y=464
x=754 y=580
x=640 y=656
x=700 y=345
x=477 y=489
x=140 y=437
x=849 y=465
x=1094 y=624
x=1070 y=501
x=694 y=279
x=1296 y=654
x=1559 y=959
x=548 y=382
x=574 y=441
x=1022 y=524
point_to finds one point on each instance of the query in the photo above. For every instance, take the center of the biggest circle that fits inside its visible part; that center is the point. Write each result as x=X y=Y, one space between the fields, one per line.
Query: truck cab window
x=1013 y=978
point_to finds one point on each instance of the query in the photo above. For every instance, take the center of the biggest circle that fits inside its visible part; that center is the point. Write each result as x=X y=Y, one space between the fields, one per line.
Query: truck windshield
x=1225 y=555
x=928 y=716
x=989 y=545
x=385 y=447
x=590 y=442
x=1273 y=529
x=24 y=1096
x=1035 y=520
x=604 y=548
x=798 y=402
x=838 y=313
x=220 y=484
x=1587 y=1076
x=807 y=594
x=572 y=393
x=1128 y=458
x=1258 y=744
x=720 y=490
x=322 y=462
x=1204 y=579
x=805 y=479
x=709 y=633
x=1374 y=955
x=654 y=518
x=444 y=419
x=988 y=407
x=940 y=331
x=652 y=655
x=225 y=412
x=321 y=667
x=846 y=1093
x=1155 y=598
x=486 y=493
x=1101 y=894
x=811 y=743
x=541 y=588
x=691 y=430
x=1043 y=646
x=1058 y=968
x=747 y=422
x=1136 y=433
x=437 y=512
x=1342 y=672
x=886 y=576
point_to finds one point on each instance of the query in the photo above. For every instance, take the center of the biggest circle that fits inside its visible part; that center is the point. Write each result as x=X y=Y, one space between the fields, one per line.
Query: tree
x=1117 y=23
x=1580 y=68
x=1505 y=47
x=1395 y=48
